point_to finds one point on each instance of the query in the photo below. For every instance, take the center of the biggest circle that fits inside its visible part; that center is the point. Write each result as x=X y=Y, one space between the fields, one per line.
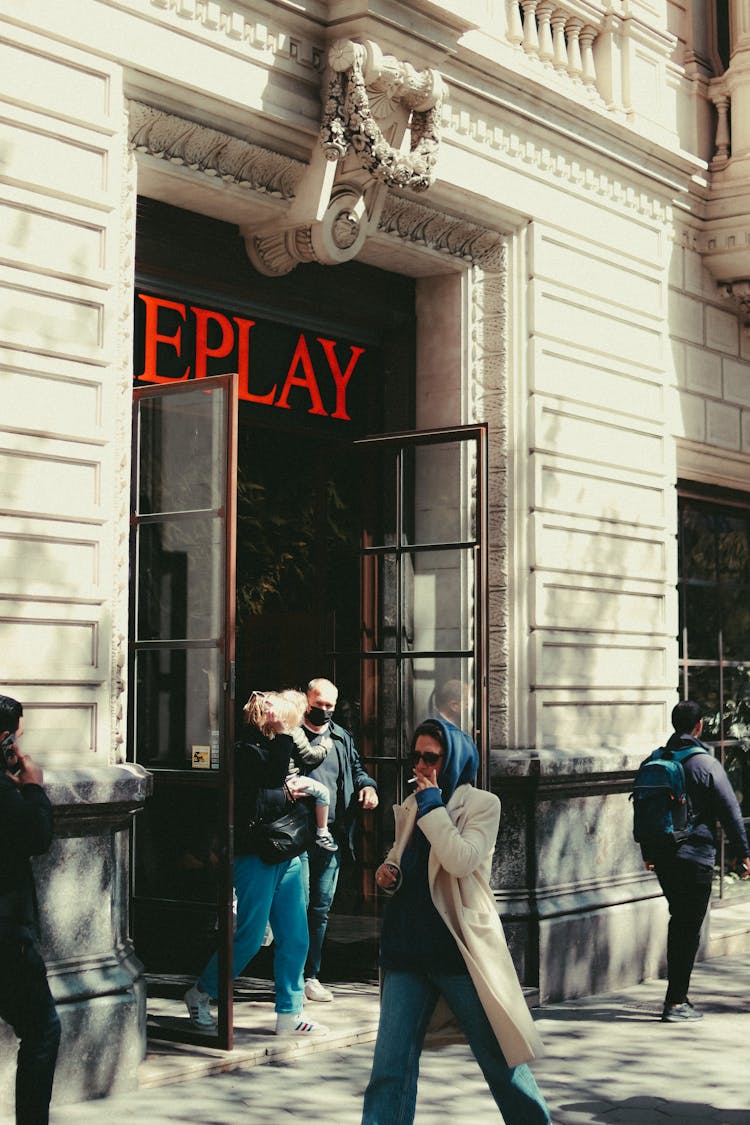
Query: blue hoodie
x=460 y=767
x=414 y=936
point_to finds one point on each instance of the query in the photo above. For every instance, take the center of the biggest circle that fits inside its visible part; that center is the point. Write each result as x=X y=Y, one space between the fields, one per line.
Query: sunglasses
x=427 y=757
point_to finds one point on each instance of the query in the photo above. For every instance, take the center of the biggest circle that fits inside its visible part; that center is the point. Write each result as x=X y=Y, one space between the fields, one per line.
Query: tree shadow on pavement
x=647 y=1111
x=608 y=1014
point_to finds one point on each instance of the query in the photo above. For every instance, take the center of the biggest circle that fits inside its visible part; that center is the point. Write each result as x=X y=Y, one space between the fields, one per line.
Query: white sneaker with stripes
x=294 y=1023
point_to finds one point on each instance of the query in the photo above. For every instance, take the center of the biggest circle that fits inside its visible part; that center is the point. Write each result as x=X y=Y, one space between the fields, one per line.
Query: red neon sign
x=186 y=338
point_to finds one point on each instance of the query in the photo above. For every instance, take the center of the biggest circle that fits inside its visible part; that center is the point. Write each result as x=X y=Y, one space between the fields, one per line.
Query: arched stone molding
x=487 y=390
x=123 y=399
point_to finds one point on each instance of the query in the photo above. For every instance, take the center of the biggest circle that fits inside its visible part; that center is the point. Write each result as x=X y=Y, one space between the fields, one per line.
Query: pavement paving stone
x=609 y=1061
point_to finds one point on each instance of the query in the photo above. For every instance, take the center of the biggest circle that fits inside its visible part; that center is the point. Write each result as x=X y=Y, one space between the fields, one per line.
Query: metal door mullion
x=208 y=643
x=409 y=654
x=174 y=517
x=419 y=548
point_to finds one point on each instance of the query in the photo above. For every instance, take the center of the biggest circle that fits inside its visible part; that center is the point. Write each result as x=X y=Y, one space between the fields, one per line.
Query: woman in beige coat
x=442 y=942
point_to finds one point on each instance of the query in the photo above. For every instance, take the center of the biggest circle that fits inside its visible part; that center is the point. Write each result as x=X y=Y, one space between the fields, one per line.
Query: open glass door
x=423 y=645
x=181 y=683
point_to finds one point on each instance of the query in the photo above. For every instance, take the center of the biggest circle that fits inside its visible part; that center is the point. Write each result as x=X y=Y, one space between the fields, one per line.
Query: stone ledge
x=562 y=763
x=98 y=785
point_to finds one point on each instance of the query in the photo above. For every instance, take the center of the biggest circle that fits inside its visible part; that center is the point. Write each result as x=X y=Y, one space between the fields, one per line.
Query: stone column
x=94 y=975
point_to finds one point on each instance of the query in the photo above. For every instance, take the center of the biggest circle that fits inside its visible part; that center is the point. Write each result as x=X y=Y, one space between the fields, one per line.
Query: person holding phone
x=442 y=942
x=25 y=999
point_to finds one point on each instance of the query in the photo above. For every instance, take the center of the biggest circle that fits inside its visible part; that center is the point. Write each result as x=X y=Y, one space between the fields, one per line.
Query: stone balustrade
x=718 y=91
x=562 y=38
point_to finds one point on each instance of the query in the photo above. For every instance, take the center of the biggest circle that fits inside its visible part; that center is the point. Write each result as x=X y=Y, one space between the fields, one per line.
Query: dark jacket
x=25 y=830
x=342 y=766
x=260 y=768
x=712 y=799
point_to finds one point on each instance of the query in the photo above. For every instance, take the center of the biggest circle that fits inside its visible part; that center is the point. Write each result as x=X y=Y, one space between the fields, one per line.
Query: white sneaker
x=326 y=841
x=294 y=1023
x=199 y=1009
x=314 y=990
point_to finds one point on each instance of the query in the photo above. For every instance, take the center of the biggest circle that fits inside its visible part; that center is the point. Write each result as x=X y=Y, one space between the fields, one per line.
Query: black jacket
x=343 y=773
x=261 y=766
x=712 y=799
x=25 y=830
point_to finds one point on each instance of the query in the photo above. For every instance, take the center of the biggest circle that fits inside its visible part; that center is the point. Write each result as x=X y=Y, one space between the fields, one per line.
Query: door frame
x=223 y=779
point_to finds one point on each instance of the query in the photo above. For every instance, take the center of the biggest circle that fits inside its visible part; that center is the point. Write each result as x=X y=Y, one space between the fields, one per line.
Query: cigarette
x=411 y=781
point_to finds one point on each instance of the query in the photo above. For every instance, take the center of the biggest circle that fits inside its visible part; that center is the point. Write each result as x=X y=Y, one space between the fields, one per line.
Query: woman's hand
x=426 y=779
x=386 y=876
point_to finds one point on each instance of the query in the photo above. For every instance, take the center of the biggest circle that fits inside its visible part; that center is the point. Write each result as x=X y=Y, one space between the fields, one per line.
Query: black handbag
x=286 y=837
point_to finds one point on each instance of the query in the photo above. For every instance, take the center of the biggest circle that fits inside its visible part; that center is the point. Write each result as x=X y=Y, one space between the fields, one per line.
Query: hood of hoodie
x=461 y=760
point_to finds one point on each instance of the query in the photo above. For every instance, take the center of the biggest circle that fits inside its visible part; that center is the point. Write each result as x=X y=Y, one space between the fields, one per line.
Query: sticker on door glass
x=201 y=757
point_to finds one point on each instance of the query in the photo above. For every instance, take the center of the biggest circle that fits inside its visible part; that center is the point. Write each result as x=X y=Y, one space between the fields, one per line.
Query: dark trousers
x=687 y=889
x=27 y=1005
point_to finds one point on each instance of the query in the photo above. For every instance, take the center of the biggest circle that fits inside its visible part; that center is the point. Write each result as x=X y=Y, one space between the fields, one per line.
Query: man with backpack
x=676 y=831
x=675 y=819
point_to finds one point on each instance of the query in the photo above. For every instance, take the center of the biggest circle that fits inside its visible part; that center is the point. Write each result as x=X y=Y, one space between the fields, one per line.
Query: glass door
x=181 y=684
x=423 y=569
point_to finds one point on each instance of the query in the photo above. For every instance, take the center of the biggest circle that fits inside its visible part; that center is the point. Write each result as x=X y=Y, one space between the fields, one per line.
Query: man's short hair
x=686 y=716
x=452 y=691
x=318 y=680
x=10 y=713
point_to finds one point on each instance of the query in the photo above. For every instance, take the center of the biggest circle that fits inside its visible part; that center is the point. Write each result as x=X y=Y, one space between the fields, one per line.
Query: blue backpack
x=662 y=810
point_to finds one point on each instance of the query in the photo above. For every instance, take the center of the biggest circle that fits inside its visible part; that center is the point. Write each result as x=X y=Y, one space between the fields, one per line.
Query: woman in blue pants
x=265 y=892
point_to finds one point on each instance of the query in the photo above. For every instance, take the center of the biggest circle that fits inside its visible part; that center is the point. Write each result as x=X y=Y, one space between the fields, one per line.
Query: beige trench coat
x=462 y=838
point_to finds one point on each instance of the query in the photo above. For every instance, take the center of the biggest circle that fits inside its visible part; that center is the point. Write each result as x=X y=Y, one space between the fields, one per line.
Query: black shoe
x=680 y=1013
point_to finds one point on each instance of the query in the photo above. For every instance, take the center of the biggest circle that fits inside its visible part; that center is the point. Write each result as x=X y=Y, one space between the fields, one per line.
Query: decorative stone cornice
x=445 y=234
x=168 y=137
x=533 y=151
x=208 y=152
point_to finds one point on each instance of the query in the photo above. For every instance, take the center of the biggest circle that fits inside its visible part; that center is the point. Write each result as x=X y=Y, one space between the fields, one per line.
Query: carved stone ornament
x=738 y=292
x=363 y=86
x=372 y=101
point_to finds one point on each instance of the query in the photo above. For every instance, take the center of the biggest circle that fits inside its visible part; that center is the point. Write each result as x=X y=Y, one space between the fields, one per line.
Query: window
x=714 y=588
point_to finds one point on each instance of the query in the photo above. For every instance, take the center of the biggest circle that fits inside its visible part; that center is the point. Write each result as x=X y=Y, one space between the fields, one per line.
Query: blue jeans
x=27 y=1005
x=320 y=874
x=407 y=1002
x=266 y=893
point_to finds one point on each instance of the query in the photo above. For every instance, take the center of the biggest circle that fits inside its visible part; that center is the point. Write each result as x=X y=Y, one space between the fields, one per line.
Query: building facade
x=487 y=259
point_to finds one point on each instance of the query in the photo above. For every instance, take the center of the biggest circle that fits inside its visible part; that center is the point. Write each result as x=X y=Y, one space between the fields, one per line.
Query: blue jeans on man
x=320 y=876
x=26 y=1004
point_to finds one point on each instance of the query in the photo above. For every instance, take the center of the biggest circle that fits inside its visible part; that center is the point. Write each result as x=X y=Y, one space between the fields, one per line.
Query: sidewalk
x=609 y=1060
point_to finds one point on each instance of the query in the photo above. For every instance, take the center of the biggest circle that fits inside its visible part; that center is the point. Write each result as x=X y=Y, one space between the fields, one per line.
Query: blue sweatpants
x=266 y=893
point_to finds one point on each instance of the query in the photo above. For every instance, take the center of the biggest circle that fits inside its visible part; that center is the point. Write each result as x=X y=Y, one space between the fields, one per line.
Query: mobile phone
x=8 y=755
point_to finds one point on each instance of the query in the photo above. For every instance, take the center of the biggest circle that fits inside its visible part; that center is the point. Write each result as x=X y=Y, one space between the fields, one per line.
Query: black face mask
x=319 y=716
